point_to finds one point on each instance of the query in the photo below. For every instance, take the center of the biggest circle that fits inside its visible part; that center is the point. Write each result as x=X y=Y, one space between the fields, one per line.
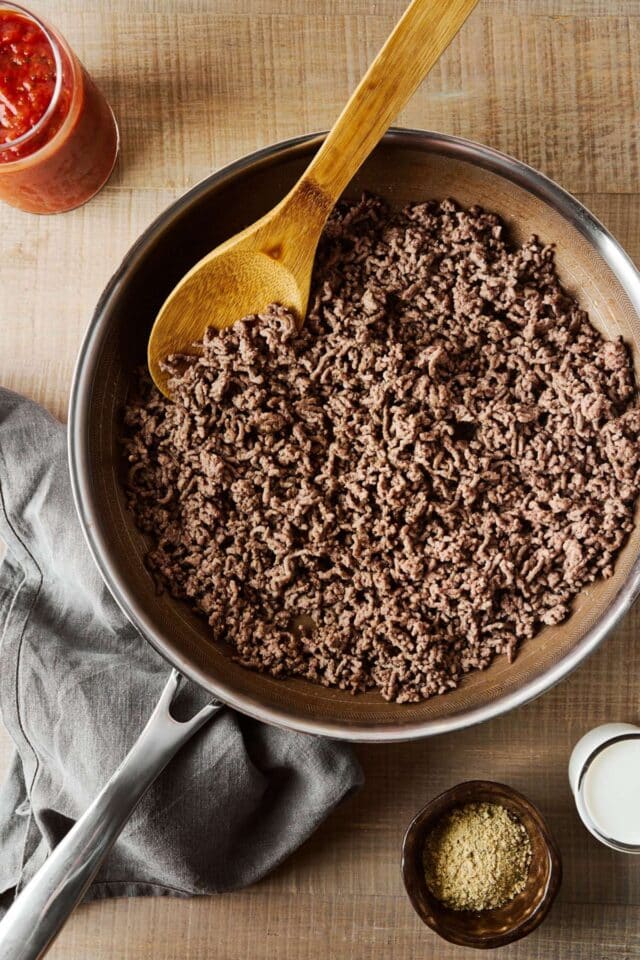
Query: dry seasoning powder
x=477 y=857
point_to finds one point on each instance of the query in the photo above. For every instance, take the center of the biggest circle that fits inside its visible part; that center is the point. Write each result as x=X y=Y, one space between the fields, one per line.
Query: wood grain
x=196 y=83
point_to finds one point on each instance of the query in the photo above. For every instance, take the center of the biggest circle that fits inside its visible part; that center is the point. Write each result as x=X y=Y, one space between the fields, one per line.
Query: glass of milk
x=604 y=773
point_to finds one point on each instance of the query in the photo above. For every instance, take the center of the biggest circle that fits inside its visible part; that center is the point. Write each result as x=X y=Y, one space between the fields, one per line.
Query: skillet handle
x=41 y=909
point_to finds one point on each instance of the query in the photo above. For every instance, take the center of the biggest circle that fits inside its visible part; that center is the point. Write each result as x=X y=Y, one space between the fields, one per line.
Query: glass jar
x=68 y=153
x=604 y=774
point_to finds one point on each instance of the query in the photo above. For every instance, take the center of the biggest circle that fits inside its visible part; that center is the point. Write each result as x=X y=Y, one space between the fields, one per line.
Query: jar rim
x=57 y=89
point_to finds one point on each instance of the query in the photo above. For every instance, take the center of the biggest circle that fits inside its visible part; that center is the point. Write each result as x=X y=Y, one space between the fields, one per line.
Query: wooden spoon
x=271 y=261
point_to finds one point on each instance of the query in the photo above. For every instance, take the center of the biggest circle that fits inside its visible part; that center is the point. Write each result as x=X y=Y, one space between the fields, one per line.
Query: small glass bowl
x=488 y=928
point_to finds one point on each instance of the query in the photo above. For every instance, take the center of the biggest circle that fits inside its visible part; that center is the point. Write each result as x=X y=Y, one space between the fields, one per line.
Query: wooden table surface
x=195 y=84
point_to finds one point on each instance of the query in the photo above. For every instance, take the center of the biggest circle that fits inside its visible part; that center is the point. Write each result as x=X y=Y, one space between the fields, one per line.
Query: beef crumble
x=417 y=481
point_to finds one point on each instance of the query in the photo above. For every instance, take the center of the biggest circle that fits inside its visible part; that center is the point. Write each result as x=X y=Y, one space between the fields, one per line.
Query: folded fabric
x=78 y=683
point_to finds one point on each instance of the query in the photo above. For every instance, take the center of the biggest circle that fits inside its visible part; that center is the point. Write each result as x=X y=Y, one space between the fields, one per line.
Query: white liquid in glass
x=611 y=791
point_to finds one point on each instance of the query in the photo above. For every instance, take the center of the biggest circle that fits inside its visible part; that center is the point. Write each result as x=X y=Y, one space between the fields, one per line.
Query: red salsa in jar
x=28 y=75
x=58 y=136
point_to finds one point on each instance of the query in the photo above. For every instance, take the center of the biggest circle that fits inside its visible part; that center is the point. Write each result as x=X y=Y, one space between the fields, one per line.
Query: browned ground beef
x=429 y=472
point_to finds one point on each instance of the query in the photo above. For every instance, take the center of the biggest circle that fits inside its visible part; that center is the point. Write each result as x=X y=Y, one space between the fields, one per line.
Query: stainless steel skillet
x=408 y=165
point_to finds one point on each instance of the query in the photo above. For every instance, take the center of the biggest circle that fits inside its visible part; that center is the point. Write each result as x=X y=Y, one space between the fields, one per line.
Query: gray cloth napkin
x=78 y=683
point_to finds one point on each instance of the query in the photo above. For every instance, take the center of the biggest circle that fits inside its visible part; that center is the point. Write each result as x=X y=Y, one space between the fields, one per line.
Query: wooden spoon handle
x=424 y=32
